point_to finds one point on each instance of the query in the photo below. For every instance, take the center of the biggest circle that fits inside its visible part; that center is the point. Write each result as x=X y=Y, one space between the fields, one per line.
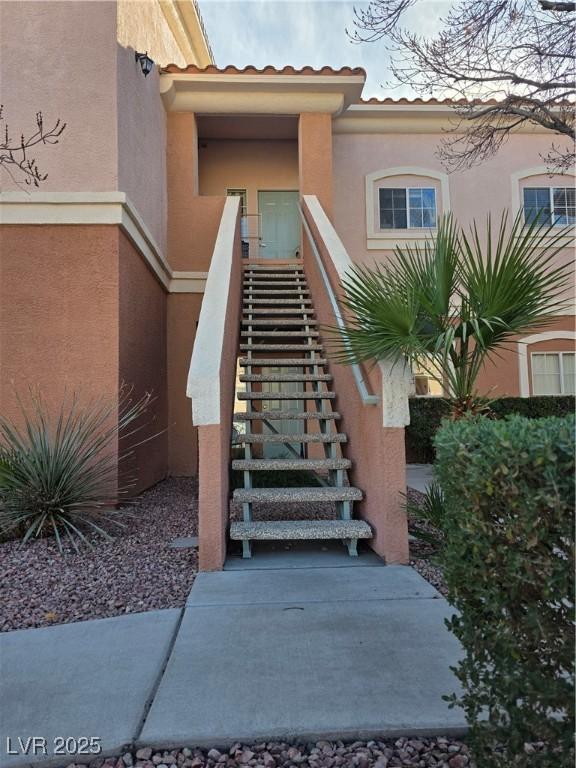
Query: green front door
x=280 y=223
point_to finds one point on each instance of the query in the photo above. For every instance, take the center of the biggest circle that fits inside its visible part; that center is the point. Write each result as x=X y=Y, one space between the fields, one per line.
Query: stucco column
x=315 y=157
x=183 y=308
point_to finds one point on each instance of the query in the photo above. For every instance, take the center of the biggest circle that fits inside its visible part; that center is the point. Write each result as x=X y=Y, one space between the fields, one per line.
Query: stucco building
x=127 y=261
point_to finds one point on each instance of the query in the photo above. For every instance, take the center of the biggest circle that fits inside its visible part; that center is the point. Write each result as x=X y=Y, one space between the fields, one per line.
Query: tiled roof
x=430 y=102
x=192 y=69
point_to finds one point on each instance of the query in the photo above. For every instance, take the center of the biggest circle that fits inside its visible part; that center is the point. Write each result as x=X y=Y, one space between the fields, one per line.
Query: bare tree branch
x=549 y=5
x=511 y=62
x=15 y=154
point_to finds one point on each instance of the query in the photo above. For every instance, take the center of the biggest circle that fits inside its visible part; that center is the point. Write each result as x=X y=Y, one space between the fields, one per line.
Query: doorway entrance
x=280 y=222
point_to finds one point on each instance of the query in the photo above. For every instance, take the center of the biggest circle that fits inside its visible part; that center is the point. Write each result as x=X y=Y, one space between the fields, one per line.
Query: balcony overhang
x=260 y=92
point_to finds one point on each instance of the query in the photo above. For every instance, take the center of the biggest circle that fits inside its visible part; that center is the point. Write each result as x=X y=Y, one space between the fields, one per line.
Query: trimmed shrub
x=508 y=563
x=426 y=414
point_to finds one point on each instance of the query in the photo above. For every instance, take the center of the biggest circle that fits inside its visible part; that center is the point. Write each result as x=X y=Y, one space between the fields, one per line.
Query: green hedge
x=508 y=564
x=426 y=414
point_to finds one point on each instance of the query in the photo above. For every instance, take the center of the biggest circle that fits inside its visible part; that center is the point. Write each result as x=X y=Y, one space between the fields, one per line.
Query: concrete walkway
x=91 y=679
x=301 y=652
x=419 y=476
x=293 y=652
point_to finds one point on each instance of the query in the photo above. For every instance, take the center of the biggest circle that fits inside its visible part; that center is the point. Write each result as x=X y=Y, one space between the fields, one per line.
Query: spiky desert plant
x=428 y=514
x=450 y=305
x=59 y=475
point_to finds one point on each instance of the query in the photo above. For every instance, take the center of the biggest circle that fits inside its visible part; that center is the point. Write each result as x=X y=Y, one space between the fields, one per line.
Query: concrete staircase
x=277 y=324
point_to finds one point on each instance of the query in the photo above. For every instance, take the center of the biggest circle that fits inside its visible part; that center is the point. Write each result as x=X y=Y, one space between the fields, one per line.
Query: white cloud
x=305 y=32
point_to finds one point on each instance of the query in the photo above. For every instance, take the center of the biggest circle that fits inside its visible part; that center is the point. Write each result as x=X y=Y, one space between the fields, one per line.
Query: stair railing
x=367 y=397
x=211 y=384
x=374 y=423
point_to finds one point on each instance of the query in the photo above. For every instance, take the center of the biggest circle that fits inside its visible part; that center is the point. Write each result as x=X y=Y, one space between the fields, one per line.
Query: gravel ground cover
x=424 y=753
x=283 y=511
x=421 y=554
x=136 y=571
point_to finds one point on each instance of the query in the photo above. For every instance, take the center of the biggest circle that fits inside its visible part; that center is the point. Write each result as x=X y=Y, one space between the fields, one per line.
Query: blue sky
x=300 y=32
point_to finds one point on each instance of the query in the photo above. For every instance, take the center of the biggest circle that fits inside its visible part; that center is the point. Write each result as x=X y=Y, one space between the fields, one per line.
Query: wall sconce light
x=145 y=61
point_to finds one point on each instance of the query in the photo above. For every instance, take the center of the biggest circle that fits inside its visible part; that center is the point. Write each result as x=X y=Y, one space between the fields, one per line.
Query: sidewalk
x=307 y=654
x=293 y=652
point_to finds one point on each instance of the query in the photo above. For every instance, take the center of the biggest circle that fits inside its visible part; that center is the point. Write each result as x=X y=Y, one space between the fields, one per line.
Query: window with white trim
x=553 y=373
x=407 y=207
x=550 y=205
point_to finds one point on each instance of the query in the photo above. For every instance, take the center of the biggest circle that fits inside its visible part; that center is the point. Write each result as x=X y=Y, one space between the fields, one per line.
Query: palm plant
x=60 y=476
x=450 y=305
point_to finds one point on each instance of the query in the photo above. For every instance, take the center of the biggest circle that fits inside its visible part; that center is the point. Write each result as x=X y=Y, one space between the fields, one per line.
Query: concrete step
x=281 y=347
x=279 y=321
x=286 y=377
x=271 y=311
x=263 y=362
x=273 y=268
x=279 y=292
x=281 y=334
x=293 y=495
x=287 y=530
x=291 y=415
x=275 y=302
x=286 y=395
x=281 y=465
x=257 y=283
x=304 y=437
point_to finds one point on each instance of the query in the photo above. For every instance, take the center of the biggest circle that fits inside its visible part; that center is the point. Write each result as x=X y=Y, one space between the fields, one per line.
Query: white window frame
x=522 y=354
x=524 y=176
x=561 y=370
x=551 y=191
x=388 y=239
x=407 y=191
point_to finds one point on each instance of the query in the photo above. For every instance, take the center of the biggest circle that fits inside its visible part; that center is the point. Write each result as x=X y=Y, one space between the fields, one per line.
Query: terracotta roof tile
x=417 y=100
x=192 y=69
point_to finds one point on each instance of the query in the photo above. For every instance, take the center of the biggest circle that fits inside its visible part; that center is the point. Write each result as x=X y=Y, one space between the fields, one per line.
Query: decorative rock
x=458 y=761
x=144 y=754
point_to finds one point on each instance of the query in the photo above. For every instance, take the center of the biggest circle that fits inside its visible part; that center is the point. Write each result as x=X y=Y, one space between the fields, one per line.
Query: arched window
x=545 y=197
x=548 y=369
x=404 y=204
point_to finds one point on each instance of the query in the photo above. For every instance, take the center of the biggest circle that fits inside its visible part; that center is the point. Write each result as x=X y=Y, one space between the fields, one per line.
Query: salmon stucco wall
x=485 y=188
x=192 y=228
x=143 y=26
x=192 y=219
x=247 y=164
x=315 y=157
x=58 y=314
x=143 y=363
x=34 y=37
x=501 y=378
x=183 y=314
x=142 y=144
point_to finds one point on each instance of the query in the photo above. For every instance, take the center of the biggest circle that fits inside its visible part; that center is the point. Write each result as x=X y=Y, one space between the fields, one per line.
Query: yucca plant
x=450 y=305
x=428 y=516
x=59 y=476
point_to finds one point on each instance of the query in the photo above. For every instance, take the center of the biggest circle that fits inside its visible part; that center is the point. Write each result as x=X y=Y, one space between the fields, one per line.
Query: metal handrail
x=365 y=395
